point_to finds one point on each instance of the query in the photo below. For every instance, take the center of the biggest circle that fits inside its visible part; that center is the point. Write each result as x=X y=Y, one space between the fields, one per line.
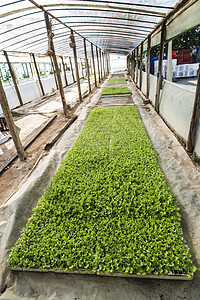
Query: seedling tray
x=75 y=272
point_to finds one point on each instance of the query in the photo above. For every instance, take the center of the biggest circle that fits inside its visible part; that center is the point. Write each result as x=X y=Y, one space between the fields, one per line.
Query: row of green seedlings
x=108 y=208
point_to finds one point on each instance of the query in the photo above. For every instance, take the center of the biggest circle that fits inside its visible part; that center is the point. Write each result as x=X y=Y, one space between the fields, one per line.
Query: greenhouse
x=99 y=149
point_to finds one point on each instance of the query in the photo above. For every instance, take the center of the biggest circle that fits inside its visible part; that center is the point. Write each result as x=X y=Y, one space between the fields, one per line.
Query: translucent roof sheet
x=114 y=26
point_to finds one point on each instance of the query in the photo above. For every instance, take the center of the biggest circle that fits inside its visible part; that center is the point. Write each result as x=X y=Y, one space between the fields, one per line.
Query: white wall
x=117 y=62
x=176 y=106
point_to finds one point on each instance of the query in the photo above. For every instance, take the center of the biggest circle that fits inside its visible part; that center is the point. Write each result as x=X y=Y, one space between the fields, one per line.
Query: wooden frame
x=13 y=78
x=38 y=74
x=195 y=119
x=9 y=120
x=52 y=53
x=159 y=75
x=95 y=79
x=87 y=66
x=73 y=46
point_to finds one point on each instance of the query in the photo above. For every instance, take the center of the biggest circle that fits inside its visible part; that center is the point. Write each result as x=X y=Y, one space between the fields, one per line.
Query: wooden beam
x=87 y=66
x=51 y=52
x=13 y=78
x=169 y=61
x=107 y=68
x=103 y=58
x=195 y=119
x=97 y=53
x=9 y=120
x=95 y=78
x=100 y=58
x=159 y=75
x=137 y=60
x=73 y=46
x=128 y=64
x=134 y=65
x=38 y=74
x=54 y=73
x=65 y=75
x=82 y=67
x=131 y=65
x=73 y=77
x=141 y=54
x=148 y=66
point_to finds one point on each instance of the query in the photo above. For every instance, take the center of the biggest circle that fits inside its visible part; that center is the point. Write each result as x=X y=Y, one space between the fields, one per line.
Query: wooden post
x=38 y=74
x=65 y=75
x=54 y=73
x=103 y=58
x=134 y=65
x=70 y=61
x=13 y=78
x=137 y=51
x=128 y=64
x=148 y=66
x=82 y=67
x=9 y=120
x=159 y=75
x=195 y=118
x=169 y=61
x=51 y=52
x=87 y=66
x=97 y=53
x=95 y=78
x=141 y=54
x=131 y=65
x=100 y=58
x=73 y=46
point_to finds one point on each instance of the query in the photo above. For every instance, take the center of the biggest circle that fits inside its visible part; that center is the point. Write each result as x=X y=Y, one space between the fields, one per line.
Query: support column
x=137 y=51
x=134 y=65
x=64 y=71
x=13 y=78
x=54 y=73
x=169 y=61
x=52 y=53
x=38 y=74
x=87 y=66
x=82 y=67
x=159 y=75
x=195 y=118
x=73 y=46
x=141 y=53
x=128 y=64
x=131 y=65
x=148 y=66
x=95 y=79
x=100 y=58
x=9 y=120
x=103 y=57
x=97 y=53
x=70 y=61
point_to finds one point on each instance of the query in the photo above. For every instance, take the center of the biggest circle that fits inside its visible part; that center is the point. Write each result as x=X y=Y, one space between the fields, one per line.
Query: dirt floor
x=31 y=118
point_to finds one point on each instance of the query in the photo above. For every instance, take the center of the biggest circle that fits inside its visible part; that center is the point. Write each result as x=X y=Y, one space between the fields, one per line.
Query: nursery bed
x=115 y=91
x=120 y=80
x=159 y=277
x=115 y=100
x=108 y=209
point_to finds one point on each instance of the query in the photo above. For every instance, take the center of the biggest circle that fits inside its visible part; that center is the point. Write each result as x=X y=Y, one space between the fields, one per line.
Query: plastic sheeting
x=114 y=26
x=176 y=106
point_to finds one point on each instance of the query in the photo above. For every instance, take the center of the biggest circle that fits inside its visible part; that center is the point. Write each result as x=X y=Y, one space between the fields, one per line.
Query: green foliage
x=114 y=81
x=115 y=91
x=108 y=208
